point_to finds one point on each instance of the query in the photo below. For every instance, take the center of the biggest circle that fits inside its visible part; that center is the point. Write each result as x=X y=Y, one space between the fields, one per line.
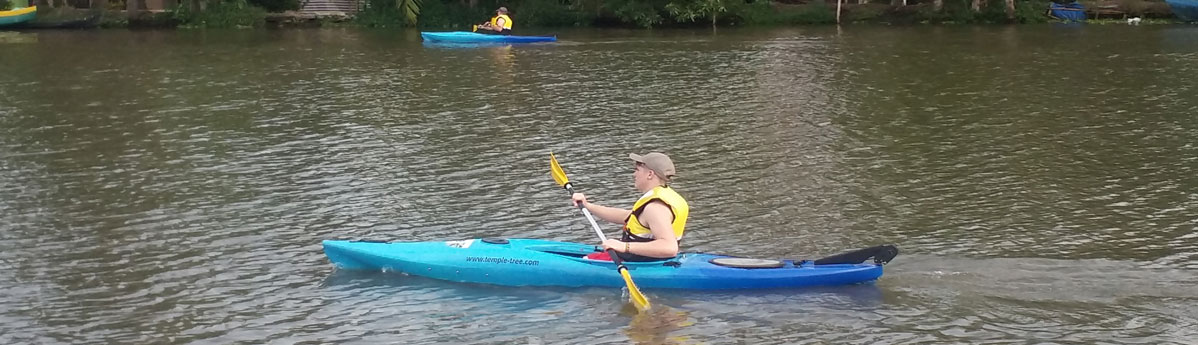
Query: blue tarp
x=1068 y=12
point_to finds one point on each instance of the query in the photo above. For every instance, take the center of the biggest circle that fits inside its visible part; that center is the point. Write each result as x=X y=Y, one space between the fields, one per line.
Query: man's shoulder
x=657 y=205
x=657 y=209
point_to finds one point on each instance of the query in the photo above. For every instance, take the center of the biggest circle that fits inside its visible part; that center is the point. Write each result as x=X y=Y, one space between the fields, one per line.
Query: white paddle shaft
x=593 y=224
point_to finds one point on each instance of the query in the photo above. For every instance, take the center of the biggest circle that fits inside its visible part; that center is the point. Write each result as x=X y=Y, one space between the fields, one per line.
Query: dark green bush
x=276 y=5
x=549 y=13
x=220 y=14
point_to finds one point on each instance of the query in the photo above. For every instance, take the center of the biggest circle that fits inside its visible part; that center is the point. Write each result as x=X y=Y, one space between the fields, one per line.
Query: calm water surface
x=174 y=187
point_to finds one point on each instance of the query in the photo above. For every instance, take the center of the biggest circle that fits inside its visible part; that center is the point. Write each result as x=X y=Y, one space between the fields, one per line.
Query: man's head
x=655 y=168
x=501 y=10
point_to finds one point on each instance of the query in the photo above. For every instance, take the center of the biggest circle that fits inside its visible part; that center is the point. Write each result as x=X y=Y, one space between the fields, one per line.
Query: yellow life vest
x=635 y=231
x=507 y=21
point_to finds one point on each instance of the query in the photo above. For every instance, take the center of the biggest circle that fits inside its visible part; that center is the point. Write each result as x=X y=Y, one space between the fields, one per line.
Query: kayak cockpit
x=568 y=250
x=581 y=253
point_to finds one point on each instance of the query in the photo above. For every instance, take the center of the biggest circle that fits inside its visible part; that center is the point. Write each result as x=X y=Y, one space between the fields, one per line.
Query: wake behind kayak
x=532 y=262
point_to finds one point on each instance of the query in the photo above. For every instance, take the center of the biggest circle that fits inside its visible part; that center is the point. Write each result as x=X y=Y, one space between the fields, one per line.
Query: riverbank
x=237 y=14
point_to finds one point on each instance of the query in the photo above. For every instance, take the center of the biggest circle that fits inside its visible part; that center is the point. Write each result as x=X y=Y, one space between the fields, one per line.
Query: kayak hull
x=17 y=16
x=471 y=37
x=531 y=262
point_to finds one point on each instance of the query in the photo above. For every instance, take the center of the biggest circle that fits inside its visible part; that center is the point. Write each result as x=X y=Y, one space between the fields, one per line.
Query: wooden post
x=838 y=11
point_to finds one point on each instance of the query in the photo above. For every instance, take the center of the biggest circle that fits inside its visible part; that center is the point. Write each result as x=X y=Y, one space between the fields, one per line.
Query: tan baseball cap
x=656 y=161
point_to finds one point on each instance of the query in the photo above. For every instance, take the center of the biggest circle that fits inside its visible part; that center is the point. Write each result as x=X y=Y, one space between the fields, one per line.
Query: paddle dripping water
x=634 y=294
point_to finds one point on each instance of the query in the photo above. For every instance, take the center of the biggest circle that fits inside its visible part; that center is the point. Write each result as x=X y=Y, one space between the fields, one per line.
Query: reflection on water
x=465 y=45
x=15 y=37
x=654 y=326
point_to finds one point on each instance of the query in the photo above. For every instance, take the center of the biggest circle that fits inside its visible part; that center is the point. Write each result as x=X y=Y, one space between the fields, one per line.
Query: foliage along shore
x=446 y=14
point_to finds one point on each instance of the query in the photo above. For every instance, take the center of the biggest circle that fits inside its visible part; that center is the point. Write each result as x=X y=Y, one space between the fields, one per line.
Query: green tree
x=692 y=10
x=641 y=12
x=410 y=10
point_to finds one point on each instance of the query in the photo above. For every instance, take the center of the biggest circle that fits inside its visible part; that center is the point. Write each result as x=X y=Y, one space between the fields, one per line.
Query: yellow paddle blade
x=474 y=28
x=634 y=293
x=555 y=169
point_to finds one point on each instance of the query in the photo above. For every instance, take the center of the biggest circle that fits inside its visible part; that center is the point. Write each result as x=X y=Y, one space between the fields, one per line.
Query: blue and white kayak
x=531 y=262
x=472 y=37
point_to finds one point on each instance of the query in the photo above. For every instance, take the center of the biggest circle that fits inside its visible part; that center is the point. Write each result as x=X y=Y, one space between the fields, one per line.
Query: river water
x=174 y=186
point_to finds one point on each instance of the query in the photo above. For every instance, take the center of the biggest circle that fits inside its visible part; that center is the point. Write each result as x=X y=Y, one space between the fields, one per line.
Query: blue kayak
x=471 y=37
x=1186 y=10
x=531 y=262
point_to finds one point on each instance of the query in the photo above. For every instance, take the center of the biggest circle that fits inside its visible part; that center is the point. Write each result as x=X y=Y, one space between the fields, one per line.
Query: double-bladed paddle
x=634 y=293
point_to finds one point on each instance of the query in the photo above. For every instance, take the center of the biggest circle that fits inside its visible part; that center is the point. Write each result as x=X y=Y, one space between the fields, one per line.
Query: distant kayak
x=521 y=262
x=471 y=37
x=17 y=16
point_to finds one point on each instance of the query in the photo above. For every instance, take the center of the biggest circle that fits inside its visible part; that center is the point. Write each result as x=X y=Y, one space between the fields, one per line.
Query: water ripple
x=1040 y=195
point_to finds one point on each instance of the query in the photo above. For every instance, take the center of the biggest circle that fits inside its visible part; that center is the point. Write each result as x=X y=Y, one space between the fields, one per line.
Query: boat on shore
x=1186 y=10
x=20 y=13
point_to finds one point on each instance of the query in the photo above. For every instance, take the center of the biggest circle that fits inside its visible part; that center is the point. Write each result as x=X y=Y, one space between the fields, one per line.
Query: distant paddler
x=501 y=24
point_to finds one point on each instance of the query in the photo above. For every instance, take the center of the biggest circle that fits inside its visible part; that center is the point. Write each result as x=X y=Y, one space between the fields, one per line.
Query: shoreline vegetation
x=458 y=14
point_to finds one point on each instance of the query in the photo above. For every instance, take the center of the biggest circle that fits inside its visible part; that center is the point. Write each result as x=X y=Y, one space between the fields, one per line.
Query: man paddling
x=500 y=24
x=654 y=225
